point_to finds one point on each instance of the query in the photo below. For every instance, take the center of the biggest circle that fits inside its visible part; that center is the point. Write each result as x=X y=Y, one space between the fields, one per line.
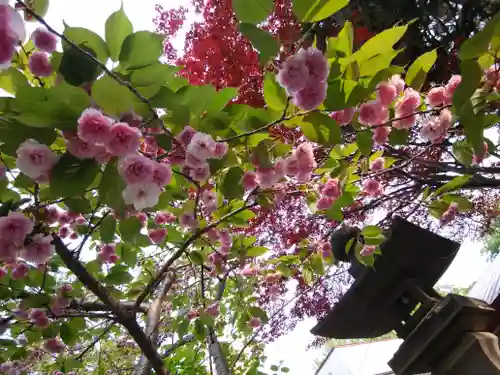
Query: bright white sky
x=92 y=14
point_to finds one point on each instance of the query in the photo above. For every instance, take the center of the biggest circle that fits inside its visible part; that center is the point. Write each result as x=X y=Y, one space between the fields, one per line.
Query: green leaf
x=231 y=186
x=221 y=99
x=335 y=213
x=79 y=205
x=257 y=312
x=261 y=40
x=69 y=334
x=473 y=127
x=316 y=10
x=371 y=231
x=274 y=368
x=342 y=45
x=127 y=254
x=274 y=95
x=130 y=229
x=111 y=187
x=71 y=363
x=398 y=136
x=118 y=275
x=252 y=11
x=118 y=27
x=317 y=264
x=286 y=370
x=454 y=184
x=199 y=330
x=257 y=251
x=380 y=43
x=40 y=7
x=78 y=68
x=479 y=43
x=463 y=152
x=364 y=140
x=11 y=79
x=85 y=38
x=196 y=257
x=149 y=80
x=112 y=97
x=320 y=128
x=415 y=77
x=471 y=77
x=71 y=176
x=108 y=229
x=141 y=49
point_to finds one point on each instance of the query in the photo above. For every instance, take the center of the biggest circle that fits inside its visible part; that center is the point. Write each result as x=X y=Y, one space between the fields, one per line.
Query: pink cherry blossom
x=39 y=64
x=187 y=220
x=192 y=314
x=8 y=251
x=202 y=146
x=406 y=121
x=371 y=113
x=157 y=235
x=311 y=96
x=373 y=188
x=200 y=174
x=135 y=169
x=254 y=322
x=53 y=346
x=381 y=134
x=249 y=271
x=15 y=227
x=331 y=189
x=94 y=127
x=451 y=86
x=214 y=259
x=326 y=250
x=164 y=218
x=73 y=236
x=294 y=73
x=132 y=119
x=303 y=177
x=292 y=165
x=44 y=40
x=162 y=174
x=398 y=82
x=377 y=164
x=445 y=119
x=344 y=116
x=35 y=159
x=493 y=74
x=273 y=291
x=225 y=237
x=280 y=169
x=109 y=248
x=184 y=138
x=213 y=309
x=324 y=203
x=436 y=96
x=40 y=250
x=123 y=139
x=193 y=162
x=409 y=102
x=39 y=318
x=449 y=215
x=386 y=93
x=305 y=157
x=63 y=232
x=7 y=49
x=209 y=199
x=20 y=272
x=249 y=180
x=368 y=250
x=143 y=218
x=477 y=159
x=220 y=151
x=266 y=177
x=316 y=63
x=81 y=149
x=431 y=129
x=50 y=215
x=142 y=195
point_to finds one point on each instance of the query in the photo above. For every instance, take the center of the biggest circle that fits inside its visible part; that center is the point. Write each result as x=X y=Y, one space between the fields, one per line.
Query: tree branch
x=152 y=322
x=124 y=316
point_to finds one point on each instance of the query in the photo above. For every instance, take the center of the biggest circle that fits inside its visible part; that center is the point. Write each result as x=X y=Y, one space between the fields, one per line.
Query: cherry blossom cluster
x=211 y=310
x=107 y=254
x=145 y=179
x=12 y=32
x=36 y=160
x=217 y=258
x=193 y=150
x=62 y=299
x=14 y=243
x=368 y=250
x=304 y=76
x=38 y=62
x=329 y=193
